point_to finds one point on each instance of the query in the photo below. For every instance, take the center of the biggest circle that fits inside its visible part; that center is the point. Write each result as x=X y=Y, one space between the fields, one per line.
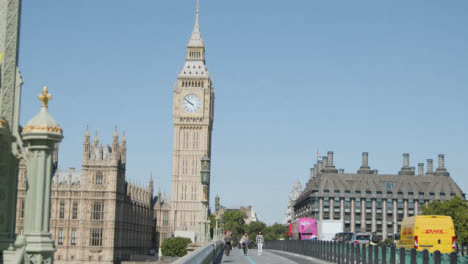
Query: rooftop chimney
x=441 y=169
x=324 y=162
x=341 y=171
x=365 y=160
x=441 y=161
x=406 y=170
x=365 y=169
x=430 y=167
x=319 y=166
x=330 y=159
x=405 y=160
x=420 y=169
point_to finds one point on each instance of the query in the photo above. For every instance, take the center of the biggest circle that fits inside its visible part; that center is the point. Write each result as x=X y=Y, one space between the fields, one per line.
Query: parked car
x=360 y=238
x=343 y=236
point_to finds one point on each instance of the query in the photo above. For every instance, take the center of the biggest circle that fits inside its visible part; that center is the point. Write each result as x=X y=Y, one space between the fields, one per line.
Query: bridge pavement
x=268 y=257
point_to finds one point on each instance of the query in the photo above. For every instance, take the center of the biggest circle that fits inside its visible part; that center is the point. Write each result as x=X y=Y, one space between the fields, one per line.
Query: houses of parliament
x=96 y=215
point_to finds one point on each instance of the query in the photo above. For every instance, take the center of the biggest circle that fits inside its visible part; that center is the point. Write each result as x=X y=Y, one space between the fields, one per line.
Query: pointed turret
x=123 y=150
x=86 y=145
x=100 y=153
x=96 y=139
x=196 y=40
x=195 y=48
x=159 y=196
x=151 y=188
x=115 y=144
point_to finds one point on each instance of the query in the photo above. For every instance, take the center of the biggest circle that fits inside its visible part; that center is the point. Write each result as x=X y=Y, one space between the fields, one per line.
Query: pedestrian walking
x=260 y=242
x=228 y=243
x=245 y=243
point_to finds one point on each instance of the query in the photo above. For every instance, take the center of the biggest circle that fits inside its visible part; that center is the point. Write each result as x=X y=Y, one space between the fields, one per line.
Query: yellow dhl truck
x=431 y=232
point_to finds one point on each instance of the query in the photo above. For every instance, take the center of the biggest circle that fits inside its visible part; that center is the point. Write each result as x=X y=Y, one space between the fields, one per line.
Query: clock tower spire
x=195 y=45
x=193 y=121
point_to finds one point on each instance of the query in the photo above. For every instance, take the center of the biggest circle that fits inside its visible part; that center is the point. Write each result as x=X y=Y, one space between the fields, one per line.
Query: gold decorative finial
x=45 y=97
x=3 y=123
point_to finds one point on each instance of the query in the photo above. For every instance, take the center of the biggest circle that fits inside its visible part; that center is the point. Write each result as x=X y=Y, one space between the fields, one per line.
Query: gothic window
x=98 y=211
x=194 y=192
x=96 y=237
x=165 y=218
x=75 y=210
x=60 y=237
x=62 y=210
x=21 y=212
x=99 y=178
x=73 y=237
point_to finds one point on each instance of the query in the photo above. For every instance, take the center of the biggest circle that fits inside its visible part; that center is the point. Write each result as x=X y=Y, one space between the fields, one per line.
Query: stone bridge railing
x=209 y=254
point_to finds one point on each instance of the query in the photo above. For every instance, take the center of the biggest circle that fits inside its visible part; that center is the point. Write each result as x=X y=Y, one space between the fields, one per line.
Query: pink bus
x=304 y=228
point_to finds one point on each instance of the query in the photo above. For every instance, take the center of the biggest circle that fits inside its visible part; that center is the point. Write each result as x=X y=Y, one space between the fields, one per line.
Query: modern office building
x=367 y=201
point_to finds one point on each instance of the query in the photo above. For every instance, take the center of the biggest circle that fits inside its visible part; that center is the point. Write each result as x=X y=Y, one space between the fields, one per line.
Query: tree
x=175 y=246
x=275 y=232
x=212 y=224
x=253 y=228
x=234 y=222
x=456 y=208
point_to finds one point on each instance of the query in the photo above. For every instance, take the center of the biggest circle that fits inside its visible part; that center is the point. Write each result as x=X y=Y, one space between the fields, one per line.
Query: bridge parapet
x=209 y=254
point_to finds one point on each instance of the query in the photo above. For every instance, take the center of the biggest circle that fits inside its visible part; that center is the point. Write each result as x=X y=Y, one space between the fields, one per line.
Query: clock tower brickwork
x=193 y=122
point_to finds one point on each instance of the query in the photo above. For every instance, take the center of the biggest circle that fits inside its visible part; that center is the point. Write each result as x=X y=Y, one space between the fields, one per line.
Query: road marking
x=250 y=260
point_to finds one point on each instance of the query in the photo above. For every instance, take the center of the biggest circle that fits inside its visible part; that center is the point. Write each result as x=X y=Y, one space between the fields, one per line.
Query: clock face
x=191 y=103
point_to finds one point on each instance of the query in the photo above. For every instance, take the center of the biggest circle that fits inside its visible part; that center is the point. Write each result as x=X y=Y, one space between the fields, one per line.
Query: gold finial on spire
x=44 y=97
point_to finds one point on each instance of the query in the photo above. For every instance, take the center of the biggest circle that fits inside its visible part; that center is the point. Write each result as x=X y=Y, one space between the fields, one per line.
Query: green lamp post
x=204 y=234
x=40 y=134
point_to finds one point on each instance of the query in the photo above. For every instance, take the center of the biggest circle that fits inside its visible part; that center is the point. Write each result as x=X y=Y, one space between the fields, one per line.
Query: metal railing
x=209 y=254
x=347 y=253
x=462 y=249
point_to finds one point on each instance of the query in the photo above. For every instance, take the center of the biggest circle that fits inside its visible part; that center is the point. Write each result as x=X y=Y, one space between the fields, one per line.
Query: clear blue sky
x=291 y=77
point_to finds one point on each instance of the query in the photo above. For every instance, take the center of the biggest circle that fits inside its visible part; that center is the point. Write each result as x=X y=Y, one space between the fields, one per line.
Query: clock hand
x=188 y=102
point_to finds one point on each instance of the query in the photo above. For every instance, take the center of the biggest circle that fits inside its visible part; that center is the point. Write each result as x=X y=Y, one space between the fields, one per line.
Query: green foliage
x=253 y=228
x=456 y=208
x=212 y=224
x=275 y=232
x=388 y=242
x=175 y=246
x=234 y=222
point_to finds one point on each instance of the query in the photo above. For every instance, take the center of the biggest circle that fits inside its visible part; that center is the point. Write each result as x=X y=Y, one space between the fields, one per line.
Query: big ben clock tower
x=193 y=122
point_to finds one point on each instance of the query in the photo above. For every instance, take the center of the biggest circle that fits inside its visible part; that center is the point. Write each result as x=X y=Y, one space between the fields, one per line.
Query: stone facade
x=367 y=201
x=193 y=123
x=162 y=212
x=295 y=193
x=96 y=216
x=250 y=215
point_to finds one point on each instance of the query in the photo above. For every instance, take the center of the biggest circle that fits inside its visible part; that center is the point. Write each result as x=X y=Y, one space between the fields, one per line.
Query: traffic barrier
x=344 y=253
